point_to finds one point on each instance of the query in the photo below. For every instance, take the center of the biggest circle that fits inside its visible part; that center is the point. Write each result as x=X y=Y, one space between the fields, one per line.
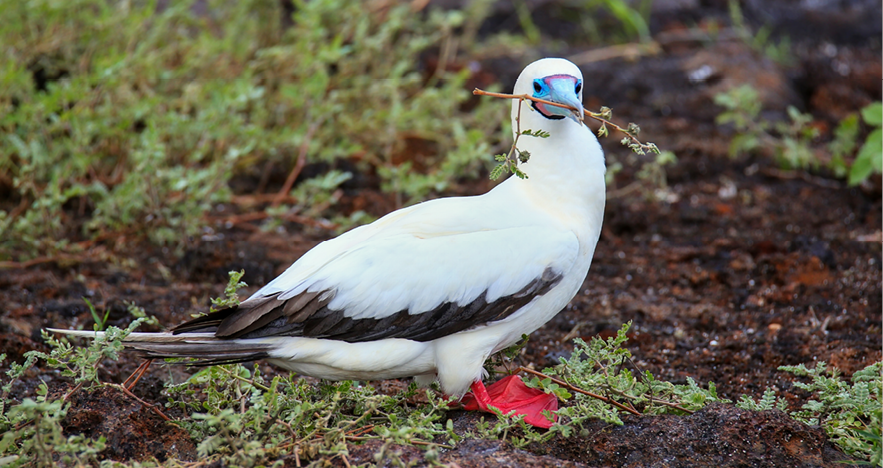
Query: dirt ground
x=734 y=269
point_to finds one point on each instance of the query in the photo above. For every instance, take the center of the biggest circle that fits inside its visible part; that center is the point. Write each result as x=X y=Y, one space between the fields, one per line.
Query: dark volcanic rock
x=472 y=453
x=497 y=454
x=719 y=436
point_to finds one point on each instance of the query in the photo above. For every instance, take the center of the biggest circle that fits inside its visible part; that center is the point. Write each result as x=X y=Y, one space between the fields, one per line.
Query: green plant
x=81 y=363
x=100 y=321
x=632 y=17
x=851 y=414
x=600 y=367
x=869 y=159
x=767 y=402
x=33 y=431
x=287 y=415
x=231 y=298
x=761 y=40
x=131 y=118
x=595 y=383
x=792 y=142
x=37 y=436
x=789 y=141
x=505 y=358
x=508 y=162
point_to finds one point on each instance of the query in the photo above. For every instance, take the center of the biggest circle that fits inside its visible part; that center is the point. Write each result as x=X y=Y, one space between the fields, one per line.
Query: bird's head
x=552 y=79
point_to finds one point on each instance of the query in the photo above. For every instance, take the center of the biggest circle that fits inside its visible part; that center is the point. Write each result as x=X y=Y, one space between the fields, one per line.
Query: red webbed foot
x=509 y=394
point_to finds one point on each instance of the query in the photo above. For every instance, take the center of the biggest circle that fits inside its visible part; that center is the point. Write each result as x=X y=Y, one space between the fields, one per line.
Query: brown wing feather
x=206 y=353
x=308 y=315
x=206 y=323
x=250 y=315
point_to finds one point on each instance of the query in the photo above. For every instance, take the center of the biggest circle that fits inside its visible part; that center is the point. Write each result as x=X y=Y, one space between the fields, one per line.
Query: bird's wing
x=404 y=285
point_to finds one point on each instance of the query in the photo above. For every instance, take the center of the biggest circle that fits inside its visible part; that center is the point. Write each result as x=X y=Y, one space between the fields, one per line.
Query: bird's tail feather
x=205 y=348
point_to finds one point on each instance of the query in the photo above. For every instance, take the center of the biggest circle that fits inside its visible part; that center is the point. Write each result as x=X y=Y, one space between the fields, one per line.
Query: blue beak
x=563 y=92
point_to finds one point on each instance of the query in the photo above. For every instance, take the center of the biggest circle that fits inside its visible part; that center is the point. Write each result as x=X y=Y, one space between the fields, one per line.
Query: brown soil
x=733 y=270
x=132 y=431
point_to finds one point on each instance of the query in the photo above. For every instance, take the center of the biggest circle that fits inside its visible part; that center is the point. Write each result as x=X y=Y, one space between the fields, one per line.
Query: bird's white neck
x=567 y=168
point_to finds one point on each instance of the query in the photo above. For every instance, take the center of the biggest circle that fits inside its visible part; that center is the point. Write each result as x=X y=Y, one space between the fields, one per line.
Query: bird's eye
x=579 y=86
x=537 y=86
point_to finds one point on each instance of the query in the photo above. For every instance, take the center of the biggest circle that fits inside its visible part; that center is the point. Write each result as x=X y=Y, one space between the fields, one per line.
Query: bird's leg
x=511 y=394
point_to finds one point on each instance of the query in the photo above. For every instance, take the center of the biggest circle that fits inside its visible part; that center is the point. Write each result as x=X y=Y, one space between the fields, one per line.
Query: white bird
x=432 y=290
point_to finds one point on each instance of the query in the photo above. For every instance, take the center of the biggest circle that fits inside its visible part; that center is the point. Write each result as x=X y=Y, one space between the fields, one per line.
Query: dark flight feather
x=308 y=315
x=207 y=353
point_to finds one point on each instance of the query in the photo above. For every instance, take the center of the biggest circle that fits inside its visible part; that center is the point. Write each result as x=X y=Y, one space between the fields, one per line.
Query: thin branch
x=600 y=117
x=132 y=395
x=260 y=215
x=299 y=166
x=259 y=198
x=579 y=390
x=361 y=431
x=70 y=259
x=650 y=389
x=662 y=402
x=243 y=379
x=791 y=175
x=632 y=187
x=137 y=374
x=509 y=163
x=410 y=441
x=629 y=409
x=71 y=393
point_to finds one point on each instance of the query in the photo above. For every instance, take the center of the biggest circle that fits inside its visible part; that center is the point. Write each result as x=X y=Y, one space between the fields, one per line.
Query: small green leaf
x=664 y=157
x=497 y=171
x=231 y=298
x=562 y=393
x=845 y=136
x=602 y=131
x=869 y=159
x=873 y=114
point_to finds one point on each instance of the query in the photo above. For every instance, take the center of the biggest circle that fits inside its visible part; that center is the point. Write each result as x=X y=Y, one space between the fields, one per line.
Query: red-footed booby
x=432 y=290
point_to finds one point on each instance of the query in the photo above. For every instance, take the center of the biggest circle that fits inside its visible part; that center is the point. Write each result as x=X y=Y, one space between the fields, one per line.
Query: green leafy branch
x=596 y=373
x=231 y=298
x=509 y=162
x=596 y=384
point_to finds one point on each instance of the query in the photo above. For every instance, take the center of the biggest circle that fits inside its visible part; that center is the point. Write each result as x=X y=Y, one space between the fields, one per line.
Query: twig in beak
x=636 y=145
